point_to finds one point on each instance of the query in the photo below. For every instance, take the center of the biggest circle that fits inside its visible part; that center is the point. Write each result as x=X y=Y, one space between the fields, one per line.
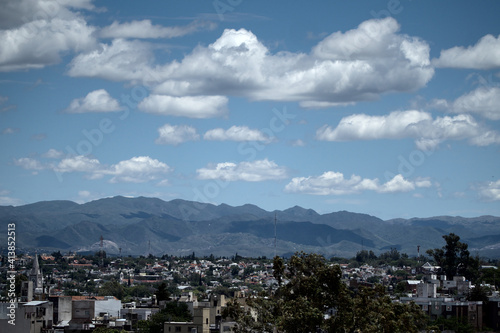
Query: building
x=85 y=309
x=35 y=276
x=31 y=317
x=200 y=323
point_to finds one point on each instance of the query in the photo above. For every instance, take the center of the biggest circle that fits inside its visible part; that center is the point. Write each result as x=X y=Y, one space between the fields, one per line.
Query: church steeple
x=36 y=276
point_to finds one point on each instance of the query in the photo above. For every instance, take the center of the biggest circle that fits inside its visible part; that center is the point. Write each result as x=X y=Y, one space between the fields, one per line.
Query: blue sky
x=390 y=108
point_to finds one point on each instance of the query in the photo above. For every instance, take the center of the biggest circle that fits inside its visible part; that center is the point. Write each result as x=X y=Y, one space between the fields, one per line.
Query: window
x=177 y=328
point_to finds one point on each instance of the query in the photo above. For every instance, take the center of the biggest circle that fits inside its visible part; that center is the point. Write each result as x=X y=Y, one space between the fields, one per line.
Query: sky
x=389 y=108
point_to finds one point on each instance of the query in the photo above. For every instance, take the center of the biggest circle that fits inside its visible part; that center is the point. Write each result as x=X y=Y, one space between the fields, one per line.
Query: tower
x=36 y=277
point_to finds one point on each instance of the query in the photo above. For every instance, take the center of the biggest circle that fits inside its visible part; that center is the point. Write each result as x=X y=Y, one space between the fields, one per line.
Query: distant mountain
x=151 y=225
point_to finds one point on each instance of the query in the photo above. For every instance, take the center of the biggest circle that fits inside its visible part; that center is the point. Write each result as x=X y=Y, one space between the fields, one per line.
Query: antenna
x=101 y=244
x=275 y=234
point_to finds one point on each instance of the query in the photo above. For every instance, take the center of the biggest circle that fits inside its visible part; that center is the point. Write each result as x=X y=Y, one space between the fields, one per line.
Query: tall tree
x=162 y=293
x=454 y=258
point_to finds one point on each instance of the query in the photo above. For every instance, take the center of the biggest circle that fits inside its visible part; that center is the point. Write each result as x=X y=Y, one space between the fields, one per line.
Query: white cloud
x=83 y=194
x=489 y=191
x=79 y=163
x=484 y=55
x=334 y=183
x=137 y=170
x=29 y=163
x=95 y=101
x=342 y=69
x=176 y=134
x=236 y=133
x=34 y=33
x=53 y=153
x=427 y=132
x=255 y=171
x=188 y=106
x=366 y=127
x=484 y=101
x=377 y=60
x=9 y=201
x=145 y=29
x=122 y=60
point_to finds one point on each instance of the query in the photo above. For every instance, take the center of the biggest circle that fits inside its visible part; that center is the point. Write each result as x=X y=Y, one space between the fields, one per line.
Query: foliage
x=453 y=324
x=309 y=288
x=454 y=258
x=173 y=311
x=112 y=288
x=375 y=312
x=162 y=293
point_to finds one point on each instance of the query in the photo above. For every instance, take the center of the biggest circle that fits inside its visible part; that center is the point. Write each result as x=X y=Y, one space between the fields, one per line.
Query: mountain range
x=139 y=226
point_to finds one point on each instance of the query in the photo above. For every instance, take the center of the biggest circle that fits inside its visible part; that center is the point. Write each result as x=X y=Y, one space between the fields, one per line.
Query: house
x=84 y=309
x=200 y=323
x=31 y=317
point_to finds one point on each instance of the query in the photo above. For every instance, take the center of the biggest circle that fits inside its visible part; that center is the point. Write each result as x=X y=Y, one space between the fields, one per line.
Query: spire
x=36 y=273
x=36 y=267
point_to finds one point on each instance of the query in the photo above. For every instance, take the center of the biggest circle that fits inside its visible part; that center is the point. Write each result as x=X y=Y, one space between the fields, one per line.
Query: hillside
x=142 y=225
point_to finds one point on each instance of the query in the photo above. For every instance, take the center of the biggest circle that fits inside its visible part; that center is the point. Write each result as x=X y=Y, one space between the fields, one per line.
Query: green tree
x=112 y=288
x=375 y=312
x=310 y=289
x=173 y=311
x=162 y=293
x=454 y=258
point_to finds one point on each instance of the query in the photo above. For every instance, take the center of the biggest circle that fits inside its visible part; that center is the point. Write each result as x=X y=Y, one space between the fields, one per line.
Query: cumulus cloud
x=95 y=101
x=489 y=191
x=29 y=163
x=176 y=134
x=236 y=133
x=188 y=106
x=255 y=171
x=343 y=68
x=122 y=60
x=135 y=170
x=484 y=101
x=334 y=183
x=427 y=132
x=484 y=55
x=49 y=27
x=79 y=163
x=366 y=127
x=145 y=29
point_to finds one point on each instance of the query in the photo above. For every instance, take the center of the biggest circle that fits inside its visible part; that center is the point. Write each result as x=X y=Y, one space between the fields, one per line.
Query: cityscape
x=249 y=166
x=95 y=292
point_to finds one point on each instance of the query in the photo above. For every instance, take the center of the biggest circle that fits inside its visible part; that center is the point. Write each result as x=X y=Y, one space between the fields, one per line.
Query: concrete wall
x=110 y=305
x=83 y=310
